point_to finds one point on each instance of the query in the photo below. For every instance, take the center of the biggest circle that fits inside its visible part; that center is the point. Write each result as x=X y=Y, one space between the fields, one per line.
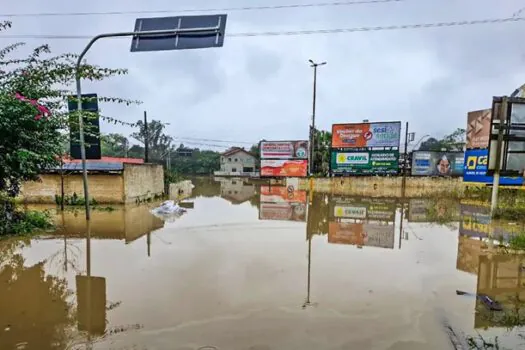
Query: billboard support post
x=146 y=138
x=199 y=36
x=405 y=159
x=495 y=184
x=311 y=162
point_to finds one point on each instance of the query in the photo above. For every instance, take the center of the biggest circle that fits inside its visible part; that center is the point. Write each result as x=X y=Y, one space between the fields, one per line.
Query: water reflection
x=262 y=267
x=500 y=288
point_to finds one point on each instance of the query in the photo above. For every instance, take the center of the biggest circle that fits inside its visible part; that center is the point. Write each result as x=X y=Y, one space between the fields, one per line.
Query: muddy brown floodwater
x=253 y=267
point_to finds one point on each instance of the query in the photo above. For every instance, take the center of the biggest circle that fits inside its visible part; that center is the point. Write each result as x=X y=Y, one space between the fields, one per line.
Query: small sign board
x=197 y=32
x=91 y=127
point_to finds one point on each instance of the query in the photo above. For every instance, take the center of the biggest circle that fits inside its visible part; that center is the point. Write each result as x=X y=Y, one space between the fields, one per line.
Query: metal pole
x=495 y=184
x=146 y=138
x=312 y=130
x=81 y=132
x=152 y=33
x=405 y=159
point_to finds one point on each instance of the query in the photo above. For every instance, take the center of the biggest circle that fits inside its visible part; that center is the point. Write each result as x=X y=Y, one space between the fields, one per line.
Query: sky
x=260 y=87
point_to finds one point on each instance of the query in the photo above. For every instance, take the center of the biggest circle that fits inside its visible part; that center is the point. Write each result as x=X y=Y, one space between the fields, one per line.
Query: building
x=111 y=180
x=238 y=162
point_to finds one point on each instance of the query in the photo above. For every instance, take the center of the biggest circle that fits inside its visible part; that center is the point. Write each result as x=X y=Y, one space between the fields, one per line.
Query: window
x=229 y=159
x=247 y=170
x=236 y=159
x=234 y=170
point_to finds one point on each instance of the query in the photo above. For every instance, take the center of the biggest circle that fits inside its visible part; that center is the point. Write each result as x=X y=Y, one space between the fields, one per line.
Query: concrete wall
x=104 y=188
x=375 y=186
x=181 y=189
x=137 y=182
x=143 y=181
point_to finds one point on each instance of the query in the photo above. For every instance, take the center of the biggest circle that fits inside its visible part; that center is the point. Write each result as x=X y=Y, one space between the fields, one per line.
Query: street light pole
x=78 y=78
x=312 y=128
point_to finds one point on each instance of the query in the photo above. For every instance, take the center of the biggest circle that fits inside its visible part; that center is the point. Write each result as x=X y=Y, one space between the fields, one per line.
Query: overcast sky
x=261 y=87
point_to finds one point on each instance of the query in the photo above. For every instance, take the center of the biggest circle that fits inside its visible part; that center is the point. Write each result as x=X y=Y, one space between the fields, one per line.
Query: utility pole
x=405 y=159
x=495 y=185
x=312 y=128
x=146 y=138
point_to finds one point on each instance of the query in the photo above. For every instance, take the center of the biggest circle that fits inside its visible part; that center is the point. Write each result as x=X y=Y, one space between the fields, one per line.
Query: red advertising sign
x=279 y=194
x=362 y=135
x=284 y=167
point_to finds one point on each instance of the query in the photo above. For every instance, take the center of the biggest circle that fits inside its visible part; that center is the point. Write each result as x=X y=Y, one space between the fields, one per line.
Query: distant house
x=238 y=162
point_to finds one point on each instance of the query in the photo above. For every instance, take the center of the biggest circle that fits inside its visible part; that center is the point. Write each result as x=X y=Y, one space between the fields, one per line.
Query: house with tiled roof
x=238 y=162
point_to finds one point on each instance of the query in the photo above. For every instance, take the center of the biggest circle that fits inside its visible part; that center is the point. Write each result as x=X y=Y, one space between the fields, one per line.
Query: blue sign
x=476 y=165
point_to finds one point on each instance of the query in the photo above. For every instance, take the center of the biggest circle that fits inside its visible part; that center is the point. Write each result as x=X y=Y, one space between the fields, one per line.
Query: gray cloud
x=261 y=87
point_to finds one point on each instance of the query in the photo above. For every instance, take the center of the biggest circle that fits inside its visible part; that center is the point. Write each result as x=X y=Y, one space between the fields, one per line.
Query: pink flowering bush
x=34 y=121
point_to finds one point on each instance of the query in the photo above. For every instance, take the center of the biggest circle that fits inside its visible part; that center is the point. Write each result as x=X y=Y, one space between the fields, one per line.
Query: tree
x=34 y=119
x=321 y=159
x=158 y=142
x=114 y=145
x=452 y=142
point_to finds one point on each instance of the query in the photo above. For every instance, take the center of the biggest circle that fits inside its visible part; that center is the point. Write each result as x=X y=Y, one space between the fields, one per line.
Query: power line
x=226 y=9
x=212 y=140
x=305 y=32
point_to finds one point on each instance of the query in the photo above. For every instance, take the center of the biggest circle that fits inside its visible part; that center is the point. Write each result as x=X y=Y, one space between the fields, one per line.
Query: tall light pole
x=312 y=128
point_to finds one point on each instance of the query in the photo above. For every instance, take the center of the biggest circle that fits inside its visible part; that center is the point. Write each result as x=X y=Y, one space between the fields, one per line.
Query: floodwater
x=261 y=268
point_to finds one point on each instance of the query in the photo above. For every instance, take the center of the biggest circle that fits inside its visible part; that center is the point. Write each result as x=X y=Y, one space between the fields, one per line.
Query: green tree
x=321 y=158
x=114 y=145
x=158 y=142
x=452 y=142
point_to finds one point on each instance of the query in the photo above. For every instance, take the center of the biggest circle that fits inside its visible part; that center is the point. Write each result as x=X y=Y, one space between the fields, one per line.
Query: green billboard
x=364 y=162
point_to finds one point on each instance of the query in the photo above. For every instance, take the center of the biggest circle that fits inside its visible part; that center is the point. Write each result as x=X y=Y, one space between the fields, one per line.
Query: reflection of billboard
x=284 y=149
x=437 y=163
x=363 y=135
x=281 y=194
x=367 y=234
x=283 y=168
x=478 y=128
x=282 y=203
x=283 y=211
x=365 y=162
x=476 y=221
x=476 y=166
x=363 y=208
x=433 y=210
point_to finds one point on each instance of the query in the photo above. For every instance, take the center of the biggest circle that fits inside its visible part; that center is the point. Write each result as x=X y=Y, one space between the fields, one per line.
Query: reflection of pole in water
x=307 y=302
x=309 y=234
x=148 y=241
x=401 y=222
x=88 y=282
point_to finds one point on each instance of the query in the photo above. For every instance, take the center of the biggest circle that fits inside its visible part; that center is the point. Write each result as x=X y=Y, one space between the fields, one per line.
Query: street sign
x=91 y=127
x=512 y=125
x=189 y=32
x=411 y=136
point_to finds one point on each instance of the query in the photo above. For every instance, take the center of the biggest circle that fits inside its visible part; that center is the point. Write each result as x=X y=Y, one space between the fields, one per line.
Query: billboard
x=284 y=149
x=437 y=163
x=367 y=234
x=365 y=162
x=91 y=127
x=478 y=128
x=476 y=166
x=284 y=167
x=365 y=135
